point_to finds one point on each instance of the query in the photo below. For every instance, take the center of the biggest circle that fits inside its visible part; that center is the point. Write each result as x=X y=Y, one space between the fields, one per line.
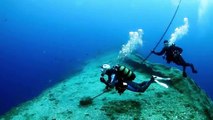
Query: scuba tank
x=124 y=73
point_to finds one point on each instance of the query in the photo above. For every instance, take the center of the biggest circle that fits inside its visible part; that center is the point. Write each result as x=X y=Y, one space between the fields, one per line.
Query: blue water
x=45 y=41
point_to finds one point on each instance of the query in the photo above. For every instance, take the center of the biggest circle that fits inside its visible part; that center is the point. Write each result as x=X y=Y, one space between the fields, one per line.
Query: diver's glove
x=102 y=80
x=152 y=51
x=108 y=85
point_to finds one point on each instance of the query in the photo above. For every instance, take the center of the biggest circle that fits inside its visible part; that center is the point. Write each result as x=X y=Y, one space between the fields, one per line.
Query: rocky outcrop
x=183 y=100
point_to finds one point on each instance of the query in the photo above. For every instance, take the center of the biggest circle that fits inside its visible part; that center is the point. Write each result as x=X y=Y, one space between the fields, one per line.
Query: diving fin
x=162 y=84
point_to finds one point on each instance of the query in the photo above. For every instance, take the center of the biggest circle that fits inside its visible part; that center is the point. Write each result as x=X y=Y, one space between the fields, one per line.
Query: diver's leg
x=193 y=68
x=190 y=65
x=139 y=87
x=144 y=85
x=184 y=71
x=182 y=62
x=132 y=86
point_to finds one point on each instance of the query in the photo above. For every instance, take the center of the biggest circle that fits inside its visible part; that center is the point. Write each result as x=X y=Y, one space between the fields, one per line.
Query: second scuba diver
x=173 y=54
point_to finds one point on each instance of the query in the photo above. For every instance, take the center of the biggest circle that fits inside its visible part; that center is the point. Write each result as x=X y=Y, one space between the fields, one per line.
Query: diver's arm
x=160 y=53
x=106 y=82
x=179 y=49
x=102 y=79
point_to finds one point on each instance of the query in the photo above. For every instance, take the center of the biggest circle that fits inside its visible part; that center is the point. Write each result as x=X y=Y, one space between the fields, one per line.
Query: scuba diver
x=173 y=54
x=122 y=78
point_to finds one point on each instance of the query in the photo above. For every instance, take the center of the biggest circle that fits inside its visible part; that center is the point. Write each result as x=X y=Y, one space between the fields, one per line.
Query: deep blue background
x=45 y=41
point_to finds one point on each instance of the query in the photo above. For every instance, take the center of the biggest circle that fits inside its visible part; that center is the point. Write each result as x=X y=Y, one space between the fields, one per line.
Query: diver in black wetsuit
x=122 y=78
x=173 y=54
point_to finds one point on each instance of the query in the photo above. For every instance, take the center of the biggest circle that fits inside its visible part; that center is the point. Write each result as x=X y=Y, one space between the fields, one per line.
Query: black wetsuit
x=173 y=54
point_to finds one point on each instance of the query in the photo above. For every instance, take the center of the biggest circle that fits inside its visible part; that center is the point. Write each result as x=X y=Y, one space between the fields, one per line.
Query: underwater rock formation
x=183 y=100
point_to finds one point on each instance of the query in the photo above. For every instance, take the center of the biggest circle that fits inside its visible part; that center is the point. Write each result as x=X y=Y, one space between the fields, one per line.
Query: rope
x=98 y=95
x=164 y=32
